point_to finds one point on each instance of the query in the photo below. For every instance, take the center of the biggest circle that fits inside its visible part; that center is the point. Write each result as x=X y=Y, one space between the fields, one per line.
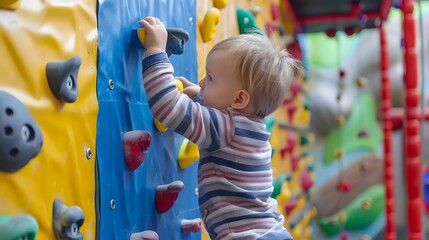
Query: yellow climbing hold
x=10 y=4
x=219 y=4
x=339 y=153
x=141 y=34
x=341 y=120
x=208 y=25
x=157 y=123
x=342 y=217
x=188 y=153
x=366 y=204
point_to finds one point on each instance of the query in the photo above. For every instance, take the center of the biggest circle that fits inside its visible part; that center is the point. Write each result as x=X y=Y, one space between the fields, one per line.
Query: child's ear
x=241 y=100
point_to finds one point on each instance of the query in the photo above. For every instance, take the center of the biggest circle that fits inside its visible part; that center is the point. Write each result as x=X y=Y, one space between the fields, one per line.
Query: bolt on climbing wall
x=48 y=110
x=147 y=178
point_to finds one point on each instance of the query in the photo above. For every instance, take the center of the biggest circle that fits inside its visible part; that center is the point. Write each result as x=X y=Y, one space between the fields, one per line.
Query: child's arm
x=209 y=128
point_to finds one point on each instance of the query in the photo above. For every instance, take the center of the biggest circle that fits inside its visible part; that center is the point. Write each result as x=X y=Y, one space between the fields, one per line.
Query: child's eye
x=209 y=78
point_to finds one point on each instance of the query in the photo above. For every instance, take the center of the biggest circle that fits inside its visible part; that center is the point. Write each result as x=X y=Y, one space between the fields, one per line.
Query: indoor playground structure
x=81 y=156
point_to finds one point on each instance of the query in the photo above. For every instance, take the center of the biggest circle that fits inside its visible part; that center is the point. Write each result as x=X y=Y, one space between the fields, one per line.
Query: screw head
x=191 y=21
x=112 y=204
x=88 y=153
x=111 y=84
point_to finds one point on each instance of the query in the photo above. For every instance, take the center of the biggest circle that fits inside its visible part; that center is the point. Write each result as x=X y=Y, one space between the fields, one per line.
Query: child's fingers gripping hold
x=156 y=35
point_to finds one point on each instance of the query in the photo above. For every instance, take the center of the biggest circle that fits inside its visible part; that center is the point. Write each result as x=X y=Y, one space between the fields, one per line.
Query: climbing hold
x=135 y=145
x=219 y=4
x=342 y=217
x=339 y=154
x=20 y=137
x=145 y=235
x=331 y=33
x=290 y=145
x=255 y=10
x=10 y=4
x=188 y=153
x=341 y=120
x=176 y=39
x=363 y=134
x=290 y=205
x=278 y=183
x=207 y=26
x=18 y=227
x=62 y=78
x=275 y=10
x=247 y=23
x=307 y=104
x=361 y=82
x=66 y=221
x=270 y=28
x=166 y=195
x=344 y=236
x=366 y=204
x=291 y=109
x=306 y=181
x=304 y=140
x=159 y=126
x=191 y=225
x=269 y=122
x=294 y=162
x=343 y=186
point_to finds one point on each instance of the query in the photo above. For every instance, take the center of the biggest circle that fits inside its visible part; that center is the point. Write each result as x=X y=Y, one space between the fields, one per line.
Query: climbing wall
x=128 y=177
x=47 y=118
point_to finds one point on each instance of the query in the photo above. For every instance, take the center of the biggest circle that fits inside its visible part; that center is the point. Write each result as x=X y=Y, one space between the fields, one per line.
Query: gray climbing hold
x=176 y=40
x=62 y=78
x=20 y=136
x=66 y=221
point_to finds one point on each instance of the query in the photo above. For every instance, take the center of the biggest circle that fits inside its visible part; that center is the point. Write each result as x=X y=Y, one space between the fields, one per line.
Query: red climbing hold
x=166 y=195
x=135 y=145
x=145 y=235
x=193 y=225
x=343 y=186
x=306 y=181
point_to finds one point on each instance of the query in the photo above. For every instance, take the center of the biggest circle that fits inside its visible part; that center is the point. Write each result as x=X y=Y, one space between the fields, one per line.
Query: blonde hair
x=264 y=71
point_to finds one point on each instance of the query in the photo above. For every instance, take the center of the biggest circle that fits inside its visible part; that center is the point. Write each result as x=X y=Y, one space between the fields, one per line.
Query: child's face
x=220 y=85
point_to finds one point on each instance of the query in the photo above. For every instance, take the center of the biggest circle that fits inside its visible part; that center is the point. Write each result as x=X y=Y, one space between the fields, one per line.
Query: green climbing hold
x=247 y=23
x=18 y=227
x=277 y=184
x=269 y=122
x=303 y=140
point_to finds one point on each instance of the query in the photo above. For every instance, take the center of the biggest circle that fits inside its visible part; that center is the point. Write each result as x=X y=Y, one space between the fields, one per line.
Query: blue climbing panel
x=126 y=199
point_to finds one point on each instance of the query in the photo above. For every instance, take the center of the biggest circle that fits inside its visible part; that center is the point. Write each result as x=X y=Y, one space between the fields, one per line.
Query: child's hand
x=189 y=88
x=156 y=35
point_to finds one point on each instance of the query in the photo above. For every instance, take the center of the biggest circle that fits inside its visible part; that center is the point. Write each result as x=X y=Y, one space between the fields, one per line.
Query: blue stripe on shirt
x=234 y=219
x=160 y=94
x=214 y=131
x=187 y=119
x=235 y=165
x=251 y=134
x=154 y=59
x=225 y=193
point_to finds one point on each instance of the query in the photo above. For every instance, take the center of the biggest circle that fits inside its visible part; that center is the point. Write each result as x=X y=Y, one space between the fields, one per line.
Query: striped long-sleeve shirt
x=234 y=171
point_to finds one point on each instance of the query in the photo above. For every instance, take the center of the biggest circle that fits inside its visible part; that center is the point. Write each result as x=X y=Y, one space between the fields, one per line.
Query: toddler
x=246 y=80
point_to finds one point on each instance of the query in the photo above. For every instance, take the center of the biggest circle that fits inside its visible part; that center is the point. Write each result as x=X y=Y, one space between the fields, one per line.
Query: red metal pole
x=386 y=104
x=412 y=128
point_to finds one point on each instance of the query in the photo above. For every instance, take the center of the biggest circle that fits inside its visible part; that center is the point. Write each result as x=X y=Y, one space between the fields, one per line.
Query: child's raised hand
x=156 y=35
